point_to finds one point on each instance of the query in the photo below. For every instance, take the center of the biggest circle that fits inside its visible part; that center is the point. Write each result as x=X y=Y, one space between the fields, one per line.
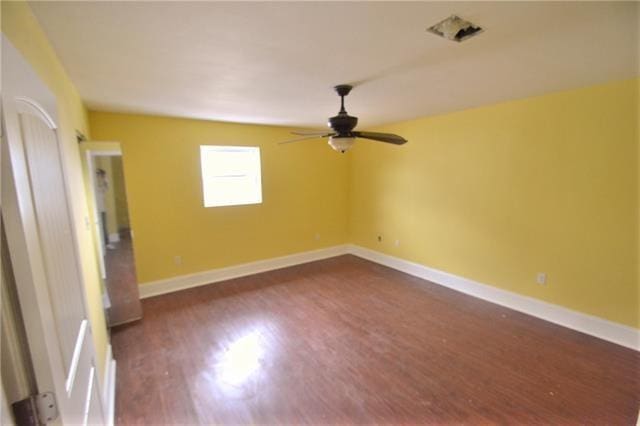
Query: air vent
x=455 y=28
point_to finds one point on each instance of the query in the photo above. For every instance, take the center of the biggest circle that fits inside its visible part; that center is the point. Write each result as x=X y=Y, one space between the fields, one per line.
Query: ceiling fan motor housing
x=343 y=123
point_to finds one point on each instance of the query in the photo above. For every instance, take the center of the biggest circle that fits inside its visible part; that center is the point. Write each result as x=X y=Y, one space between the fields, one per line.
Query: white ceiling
x=276 y=63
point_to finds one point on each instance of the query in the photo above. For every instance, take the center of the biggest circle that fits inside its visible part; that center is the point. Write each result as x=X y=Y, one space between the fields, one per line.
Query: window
x=231 y=175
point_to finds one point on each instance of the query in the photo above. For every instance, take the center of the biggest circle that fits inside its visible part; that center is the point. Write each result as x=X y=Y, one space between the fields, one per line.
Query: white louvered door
x=43 y=247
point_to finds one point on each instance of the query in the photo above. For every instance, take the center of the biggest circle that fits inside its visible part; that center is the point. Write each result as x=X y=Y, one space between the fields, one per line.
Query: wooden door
x=42 y=245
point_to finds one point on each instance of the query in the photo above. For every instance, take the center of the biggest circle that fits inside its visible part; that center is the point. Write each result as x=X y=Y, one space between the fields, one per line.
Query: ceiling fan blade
x=309 y=132
x=304 y=138
x=382 y=137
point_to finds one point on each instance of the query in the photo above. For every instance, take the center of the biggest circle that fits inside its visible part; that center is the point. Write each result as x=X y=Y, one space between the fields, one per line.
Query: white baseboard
x=109 y=388
x=114 y=238
x=588 y=324
x=156 y=288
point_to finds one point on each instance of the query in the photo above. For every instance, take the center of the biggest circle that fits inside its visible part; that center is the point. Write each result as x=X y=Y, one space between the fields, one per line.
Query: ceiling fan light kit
x=341 y=144
x=342 y=136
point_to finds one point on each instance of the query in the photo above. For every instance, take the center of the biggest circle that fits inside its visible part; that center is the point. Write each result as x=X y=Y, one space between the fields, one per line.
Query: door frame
x=91 y=153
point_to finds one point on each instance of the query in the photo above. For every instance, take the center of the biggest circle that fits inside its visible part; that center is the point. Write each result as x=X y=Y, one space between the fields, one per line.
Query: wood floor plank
x=348 y=341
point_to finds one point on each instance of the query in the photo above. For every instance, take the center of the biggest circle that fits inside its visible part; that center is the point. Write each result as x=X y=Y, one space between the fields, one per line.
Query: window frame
x=205 y=175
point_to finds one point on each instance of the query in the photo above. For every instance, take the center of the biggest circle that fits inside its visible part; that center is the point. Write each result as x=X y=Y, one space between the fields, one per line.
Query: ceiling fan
x=342 y=136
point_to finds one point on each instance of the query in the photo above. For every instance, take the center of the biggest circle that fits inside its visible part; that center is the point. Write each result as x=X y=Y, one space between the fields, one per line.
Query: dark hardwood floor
x=347 y=341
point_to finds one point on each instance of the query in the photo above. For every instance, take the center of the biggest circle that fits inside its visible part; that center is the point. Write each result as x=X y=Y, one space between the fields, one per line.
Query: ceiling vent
x=455 y=28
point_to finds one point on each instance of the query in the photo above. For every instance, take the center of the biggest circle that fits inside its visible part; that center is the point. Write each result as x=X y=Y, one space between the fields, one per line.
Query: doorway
x=114 y=234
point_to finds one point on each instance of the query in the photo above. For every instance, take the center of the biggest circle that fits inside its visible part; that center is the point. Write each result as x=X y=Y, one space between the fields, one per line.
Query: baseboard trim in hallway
x=588 y=324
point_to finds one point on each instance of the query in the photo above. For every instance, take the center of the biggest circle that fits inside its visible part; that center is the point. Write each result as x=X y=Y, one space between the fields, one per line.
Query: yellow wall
x=500 y=193
x=22 y=29
x=120 y=193
x=304 y=193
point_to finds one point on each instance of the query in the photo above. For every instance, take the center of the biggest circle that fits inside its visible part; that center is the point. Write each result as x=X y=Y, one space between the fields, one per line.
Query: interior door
x=42 y=245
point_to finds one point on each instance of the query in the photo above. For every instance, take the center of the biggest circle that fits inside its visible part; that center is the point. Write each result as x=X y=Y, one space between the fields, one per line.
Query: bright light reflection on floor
x=241 y=359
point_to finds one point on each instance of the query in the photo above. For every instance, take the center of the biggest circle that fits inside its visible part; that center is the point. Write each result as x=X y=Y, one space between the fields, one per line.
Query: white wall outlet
x=541 y=278
x=317 y=236
x=396 y=243
x=177 y=260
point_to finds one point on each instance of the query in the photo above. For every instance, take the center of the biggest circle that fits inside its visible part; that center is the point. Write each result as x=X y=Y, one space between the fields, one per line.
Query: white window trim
x=252 y=197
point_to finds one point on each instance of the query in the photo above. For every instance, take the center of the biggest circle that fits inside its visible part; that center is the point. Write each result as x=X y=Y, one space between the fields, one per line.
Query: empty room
x=320 y=213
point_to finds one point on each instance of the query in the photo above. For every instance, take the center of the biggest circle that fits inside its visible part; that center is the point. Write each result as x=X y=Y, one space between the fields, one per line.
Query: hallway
x=121 y=282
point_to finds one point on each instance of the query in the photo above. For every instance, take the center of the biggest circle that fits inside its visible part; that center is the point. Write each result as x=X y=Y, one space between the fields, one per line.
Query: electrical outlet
x=541 y=278
x=317 y=236
x=396 y=243
x=177 y=260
